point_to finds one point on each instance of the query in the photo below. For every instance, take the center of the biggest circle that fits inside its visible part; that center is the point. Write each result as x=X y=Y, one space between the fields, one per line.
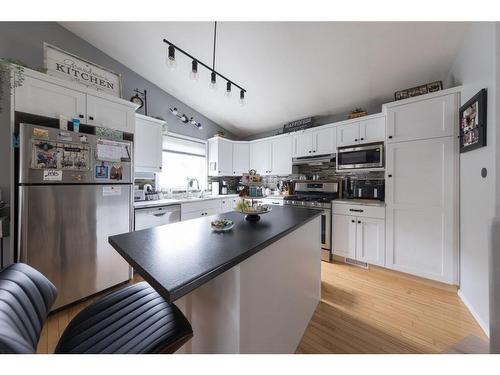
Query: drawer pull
x=355 y=210
x=160 y=214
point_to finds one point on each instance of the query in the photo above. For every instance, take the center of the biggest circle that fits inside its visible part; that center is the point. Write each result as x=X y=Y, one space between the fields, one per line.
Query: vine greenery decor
x=7 y=67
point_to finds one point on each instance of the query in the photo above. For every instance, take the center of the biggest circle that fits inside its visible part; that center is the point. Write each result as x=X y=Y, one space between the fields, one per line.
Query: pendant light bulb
x=172 y=64
x=199 y=126
x=242 y=97
x=213 y=81
x=194 y=75
x=228 y=89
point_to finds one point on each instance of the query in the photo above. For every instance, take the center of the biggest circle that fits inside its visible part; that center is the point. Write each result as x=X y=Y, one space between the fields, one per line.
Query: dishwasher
x=155 y=216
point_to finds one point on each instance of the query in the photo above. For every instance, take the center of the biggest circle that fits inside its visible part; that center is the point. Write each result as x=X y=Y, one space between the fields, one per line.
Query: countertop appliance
x=364 y=188
x=156 y=216
x=75 y=190
x=318 y=194
x=361 y=157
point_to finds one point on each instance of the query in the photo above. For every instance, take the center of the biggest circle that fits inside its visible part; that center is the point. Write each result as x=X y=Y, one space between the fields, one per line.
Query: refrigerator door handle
x=22 y=255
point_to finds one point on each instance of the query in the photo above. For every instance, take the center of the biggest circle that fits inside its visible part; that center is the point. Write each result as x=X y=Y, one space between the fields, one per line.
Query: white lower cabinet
x=359 y=237
x=421 y=197
x=228 y=204
x=370 y=240
x=344 y=236
x=200 y=213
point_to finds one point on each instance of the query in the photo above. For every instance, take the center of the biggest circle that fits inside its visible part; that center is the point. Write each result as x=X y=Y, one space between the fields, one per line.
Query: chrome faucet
x=190 y=183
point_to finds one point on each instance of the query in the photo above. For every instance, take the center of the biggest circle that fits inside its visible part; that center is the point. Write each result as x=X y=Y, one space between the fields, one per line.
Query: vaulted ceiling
x=291 y=70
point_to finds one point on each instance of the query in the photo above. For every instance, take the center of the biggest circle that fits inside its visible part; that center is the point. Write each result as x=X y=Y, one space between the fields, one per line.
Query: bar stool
x=132 y=320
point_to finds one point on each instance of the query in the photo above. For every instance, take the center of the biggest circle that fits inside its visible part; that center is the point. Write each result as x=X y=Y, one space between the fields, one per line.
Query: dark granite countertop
x=180 y=257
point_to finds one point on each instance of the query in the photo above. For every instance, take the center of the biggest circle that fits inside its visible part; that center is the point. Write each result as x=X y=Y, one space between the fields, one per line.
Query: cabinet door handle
x=355 y=139
x=353 y=221
x=390 y=137
x=91 y=117
x=355 y=210
x=362 y=139
x=81 y=116
x=389 y=175
x=359 y=221
x=310 y=151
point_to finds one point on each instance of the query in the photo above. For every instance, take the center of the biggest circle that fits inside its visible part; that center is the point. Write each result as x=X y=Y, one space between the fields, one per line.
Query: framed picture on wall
x=473 y=122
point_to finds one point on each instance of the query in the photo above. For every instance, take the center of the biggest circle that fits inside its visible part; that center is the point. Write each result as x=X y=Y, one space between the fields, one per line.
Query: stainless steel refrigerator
x=74 y=192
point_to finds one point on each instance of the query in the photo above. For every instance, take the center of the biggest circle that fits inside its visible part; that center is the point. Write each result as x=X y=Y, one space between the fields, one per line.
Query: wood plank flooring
x=381 y=311
x=361 y=311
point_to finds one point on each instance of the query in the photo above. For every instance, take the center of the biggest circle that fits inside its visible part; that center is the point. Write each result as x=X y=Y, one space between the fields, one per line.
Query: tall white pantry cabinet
x=422 y=186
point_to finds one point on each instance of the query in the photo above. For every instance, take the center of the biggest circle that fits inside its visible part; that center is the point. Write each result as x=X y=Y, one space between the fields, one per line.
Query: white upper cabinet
x=372 y=130
x=320 y=141
x=421 y=198
x=220 y=157
x=110 y=114
x=365 y=130
x=348 y=134
x=281 y=156
x=324 y=140
x=50 y=100
x=302 y=144
x=44 y=95
x=241 y=158
x=422 y=118
x=260 y=156
x=148 y=139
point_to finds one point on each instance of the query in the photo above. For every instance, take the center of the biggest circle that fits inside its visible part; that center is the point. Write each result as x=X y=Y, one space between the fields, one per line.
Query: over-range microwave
x=360 y=157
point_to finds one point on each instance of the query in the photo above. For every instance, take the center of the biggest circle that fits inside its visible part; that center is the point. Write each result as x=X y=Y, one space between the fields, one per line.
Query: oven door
x=371 y=156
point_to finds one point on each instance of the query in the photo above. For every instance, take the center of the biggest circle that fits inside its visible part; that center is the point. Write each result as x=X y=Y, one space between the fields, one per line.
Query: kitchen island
x=250 y=290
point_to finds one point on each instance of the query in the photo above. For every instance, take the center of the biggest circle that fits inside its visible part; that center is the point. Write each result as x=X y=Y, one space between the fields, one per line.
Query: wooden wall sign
x=62 y=64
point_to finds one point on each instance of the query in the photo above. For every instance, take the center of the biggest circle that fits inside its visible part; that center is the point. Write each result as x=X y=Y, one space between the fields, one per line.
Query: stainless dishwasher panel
x=64 y=232
x=156 y=216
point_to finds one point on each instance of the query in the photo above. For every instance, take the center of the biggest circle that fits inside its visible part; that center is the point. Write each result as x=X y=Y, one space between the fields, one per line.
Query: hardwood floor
x=361 y=311
x=381 y=311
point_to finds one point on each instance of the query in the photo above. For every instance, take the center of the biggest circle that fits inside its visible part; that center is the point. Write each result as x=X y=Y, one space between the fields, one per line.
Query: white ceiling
x=291 y=70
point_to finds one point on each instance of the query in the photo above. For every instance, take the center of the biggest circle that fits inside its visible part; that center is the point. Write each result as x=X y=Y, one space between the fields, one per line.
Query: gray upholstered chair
x=135 y=319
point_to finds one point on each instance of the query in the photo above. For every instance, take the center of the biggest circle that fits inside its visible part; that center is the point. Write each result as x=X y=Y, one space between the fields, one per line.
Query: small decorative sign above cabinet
x=298 y=125
x=67 y=66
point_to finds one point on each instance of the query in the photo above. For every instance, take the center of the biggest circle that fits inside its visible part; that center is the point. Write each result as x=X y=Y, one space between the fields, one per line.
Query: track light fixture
x=171 y=57
x=242 y=97
x=194 y=71
x=191 y=120
x=194 y=75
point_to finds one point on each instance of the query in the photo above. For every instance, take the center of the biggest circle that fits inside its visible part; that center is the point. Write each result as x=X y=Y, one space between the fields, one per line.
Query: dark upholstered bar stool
x=134 y=320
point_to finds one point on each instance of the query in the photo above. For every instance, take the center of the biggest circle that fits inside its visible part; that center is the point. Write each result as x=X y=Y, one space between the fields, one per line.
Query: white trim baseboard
x=476 y=316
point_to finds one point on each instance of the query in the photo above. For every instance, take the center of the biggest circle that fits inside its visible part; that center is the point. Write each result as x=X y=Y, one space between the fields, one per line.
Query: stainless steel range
x=318 y=194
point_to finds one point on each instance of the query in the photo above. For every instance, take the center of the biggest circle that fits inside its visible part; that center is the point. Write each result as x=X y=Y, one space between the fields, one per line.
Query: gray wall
x=495 y=248
x=475 y=68
x=24 y=41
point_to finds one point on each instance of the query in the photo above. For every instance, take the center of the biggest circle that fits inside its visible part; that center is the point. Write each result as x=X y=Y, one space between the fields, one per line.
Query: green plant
x=358 y=110
x=7 y=67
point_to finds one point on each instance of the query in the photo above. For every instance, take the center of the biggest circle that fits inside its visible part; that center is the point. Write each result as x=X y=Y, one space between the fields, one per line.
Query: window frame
x=186 y=138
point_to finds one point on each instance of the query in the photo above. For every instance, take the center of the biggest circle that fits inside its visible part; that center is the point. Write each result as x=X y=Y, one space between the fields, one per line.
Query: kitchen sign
x=62 y=64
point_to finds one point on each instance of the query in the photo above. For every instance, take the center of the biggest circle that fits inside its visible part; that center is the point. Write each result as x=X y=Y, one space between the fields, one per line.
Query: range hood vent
x=314 y=160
